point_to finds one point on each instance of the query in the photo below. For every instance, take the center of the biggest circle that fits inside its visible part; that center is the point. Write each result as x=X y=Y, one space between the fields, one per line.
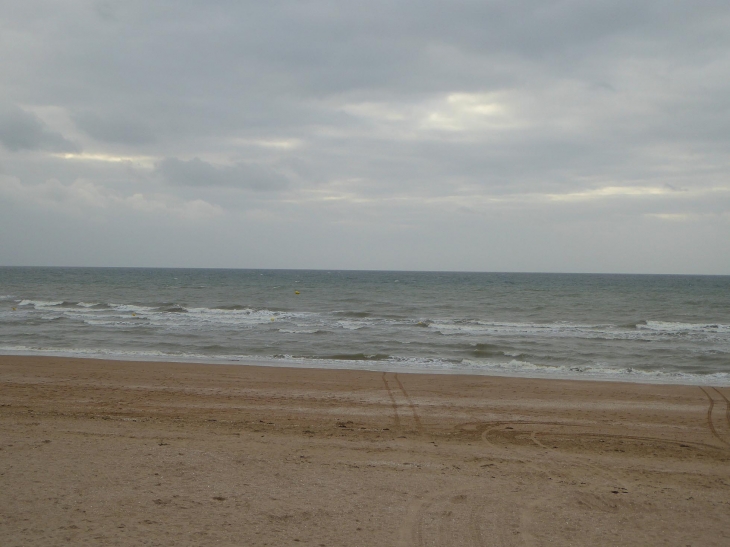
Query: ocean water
x=622 y=327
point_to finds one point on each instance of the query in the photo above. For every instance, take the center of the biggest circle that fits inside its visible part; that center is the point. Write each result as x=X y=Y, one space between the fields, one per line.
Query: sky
x=468 y=135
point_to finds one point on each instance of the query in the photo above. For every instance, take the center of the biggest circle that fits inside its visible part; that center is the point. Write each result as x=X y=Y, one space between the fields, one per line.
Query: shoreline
x=121 y=452
x=716 y=379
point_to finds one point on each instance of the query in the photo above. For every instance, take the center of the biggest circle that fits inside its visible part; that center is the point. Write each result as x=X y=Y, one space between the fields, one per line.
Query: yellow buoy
x=15 y=309
x=134 y=315
x=272 y=318
x=296 y=292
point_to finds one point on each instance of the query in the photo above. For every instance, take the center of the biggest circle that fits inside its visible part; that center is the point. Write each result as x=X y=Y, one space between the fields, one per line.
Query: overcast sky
x=573 y=136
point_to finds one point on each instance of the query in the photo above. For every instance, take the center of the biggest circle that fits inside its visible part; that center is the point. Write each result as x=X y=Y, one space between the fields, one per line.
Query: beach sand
x=130 y=453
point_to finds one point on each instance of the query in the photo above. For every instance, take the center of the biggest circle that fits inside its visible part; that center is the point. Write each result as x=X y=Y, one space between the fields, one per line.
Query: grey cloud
x=217 y=68
x=21 y=130
x=197 y=172
x=105 y=10
x=114 y=129
x=602 y=93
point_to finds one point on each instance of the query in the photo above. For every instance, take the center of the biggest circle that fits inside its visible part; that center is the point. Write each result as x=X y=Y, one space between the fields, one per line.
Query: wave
x=678 y=328
x=167 y=314
x=54 y=318
x=632 y=325
x=357 y=314
x=640 y=330
x=355 y=320
x=173 y=316
x=304 y=331
x=92 y=305
x=597 y=372
x=352 y=325
x=97 y=352
x=173 y=309
x=355 y=357
x=40 y=303
x=62 y=304
x=487 y=350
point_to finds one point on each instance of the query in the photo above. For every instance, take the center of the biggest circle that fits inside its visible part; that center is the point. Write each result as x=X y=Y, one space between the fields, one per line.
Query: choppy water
x=629 y=327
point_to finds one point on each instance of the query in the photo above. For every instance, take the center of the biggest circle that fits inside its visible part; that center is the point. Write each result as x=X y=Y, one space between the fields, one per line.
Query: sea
x=636 y=328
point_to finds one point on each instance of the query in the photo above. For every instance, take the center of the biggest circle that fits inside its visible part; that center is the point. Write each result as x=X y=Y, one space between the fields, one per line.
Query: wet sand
x=129 y=453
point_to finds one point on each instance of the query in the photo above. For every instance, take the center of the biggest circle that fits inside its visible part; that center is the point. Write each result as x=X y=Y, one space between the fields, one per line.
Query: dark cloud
x=21 y=130
x=197 y=172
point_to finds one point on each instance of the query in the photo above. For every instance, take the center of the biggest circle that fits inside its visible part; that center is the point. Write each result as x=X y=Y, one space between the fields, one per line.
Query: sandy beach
x=133 y=453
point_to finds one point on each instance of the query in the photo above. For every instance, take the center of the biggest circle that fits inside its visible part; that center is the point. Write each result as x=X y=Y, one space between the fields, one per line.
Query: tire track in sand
x=595 y=493
x=727 y=405
x=416 y=417
x=410 y=533
x=709 y=416
x=612 y=479
x=450 y=517
x=529 y=505
x=484 y=428
x=393 y=404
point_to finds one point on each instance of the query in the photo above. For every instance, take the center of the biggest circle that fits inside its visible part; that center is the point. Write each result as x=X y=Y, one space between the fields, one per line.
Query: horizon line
x=526 y=272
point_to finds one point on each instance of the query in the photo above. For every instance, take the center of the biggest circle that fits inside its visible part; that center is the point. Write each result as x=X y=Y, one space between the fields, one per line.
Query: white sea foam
x=40 y=303
x=488 y=327
x=178 y=316
x=132 y=308
x=102 y=353
x=351 y=325
x=644 y=331
x=113 y=323
x=596 y=372
x=677 y=328
x=172 y=316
